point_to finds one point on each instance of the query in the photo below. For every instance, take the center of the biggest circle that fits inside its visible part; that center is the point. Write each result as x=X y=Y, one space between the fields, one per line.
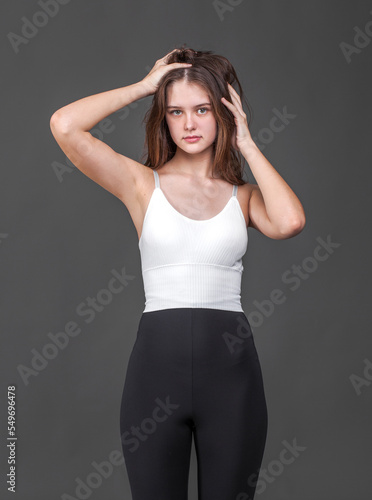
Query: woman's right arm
x=70 y=127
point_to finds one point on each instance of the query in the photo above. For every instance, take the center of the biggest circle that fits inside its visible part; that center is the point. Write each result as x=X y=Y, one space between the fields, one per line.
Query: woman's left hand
x=241 y=134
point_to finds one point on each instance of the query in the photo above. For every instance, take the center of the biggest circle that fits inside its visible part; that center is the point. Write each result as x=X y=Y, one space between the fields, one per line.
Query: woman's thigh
x=229 y=405
x=193 y=371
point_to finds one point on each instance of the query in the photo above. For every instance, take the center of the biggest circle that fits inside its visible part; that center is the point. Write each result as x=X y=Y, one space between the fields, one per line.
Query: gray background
x=61 y=238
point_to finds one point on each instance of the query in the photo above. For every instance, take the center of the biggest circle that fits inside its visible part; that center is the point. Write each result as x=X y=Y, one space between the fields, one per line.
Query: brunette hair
x=212 y=72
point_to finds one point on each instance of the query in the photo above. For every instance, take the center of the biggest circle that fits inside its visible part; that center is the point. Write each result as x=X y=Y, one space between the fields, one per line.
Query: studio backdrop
x=71 y=286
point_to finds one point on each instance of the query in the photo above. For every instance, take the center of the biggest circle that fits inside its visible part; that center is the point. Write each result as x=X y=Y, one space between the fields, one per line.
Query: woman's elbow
x=59 y=121
x=294 y=227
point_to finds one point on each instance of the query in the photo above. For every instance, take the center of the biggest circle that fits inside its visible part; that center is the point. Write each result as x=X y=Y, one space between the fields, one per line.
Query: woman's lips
x=192 y=139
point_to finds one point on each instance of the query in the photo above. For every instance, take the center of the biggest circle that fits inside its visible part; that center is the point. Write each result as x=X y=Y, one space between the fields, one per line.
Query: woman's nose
x=189 y=120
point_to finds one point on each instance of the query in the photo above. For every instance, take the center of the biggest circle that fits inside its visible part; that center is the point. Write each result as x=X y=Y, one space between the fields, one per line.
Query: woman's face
x=189 y=113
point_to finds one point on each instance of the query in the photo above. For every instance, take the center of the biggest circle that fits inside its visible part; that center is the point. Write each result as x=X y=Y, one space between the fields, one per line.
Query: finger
x=169 y=53
x=234 y=94
x=176 y=65
x=233 y=108
x=227 y=103
x=236 y=99
x=180 y=64
x=233 y=91
x=231 y=87
x=237 y=104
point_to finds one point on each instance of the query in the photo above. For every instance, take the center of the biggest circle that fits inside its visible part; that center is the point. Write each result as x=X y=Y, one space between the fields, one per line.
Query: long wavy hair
x=212 y=72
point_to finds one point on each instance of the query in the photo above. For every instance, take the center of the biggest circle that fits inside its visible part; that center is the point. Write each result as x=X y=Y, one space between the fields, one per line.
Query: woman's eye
x=178 y=110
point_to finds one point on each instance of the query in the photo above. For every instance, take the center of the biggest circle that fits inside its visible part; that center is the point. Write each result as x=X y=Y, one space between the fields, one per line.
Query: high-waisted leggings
x=193 y=372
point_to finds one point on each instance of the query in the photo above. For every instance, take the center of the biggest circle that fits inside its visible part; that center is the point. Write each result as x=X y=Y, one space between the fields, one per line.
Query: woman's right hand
x=160 y=68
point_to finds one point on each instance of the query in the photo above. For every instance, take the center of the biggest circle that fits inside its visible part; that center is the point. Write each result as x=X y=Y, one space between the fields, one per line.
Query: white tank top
x=192 y=263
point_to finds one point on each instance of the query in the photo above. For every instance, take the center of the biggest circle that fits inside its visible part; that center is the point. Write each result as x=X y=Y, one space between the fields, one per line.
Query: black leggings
x=193 y=371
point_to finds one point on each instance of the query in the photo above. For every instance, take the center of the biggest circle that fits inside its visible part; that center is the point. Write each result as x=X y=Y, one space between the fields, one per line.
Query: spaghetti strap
x=235 y=190
x=156 y=175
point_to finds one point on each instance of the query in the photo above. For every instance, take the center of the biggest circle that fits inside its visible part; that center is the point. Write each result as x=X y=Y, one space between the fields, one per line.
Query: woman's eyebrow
x=197 y=106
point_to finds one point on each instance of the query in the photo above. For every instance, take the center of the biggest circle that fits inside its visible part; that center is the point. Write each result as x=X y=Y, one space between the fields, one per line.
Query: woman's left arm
x=274 y=209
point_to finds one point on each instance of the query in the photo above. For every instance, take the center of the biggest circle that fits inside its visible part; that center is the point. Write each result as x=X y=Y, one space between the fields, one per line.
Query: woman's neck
x=198 y=164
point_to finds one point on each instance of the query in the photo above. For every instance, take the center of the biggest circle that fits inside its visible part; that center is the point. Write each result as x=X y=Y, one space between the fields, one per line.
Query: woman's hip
x=198 y=339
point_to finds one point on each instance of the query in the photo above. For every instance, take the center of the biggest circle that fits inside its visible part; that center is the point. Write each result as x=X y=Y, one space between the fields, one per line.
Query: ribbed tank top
x=192 y=263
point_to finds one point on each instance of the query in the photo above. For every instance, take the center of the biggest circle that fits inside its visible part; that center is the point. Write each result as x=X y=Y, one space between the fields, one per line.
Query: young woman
x=194 y=368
